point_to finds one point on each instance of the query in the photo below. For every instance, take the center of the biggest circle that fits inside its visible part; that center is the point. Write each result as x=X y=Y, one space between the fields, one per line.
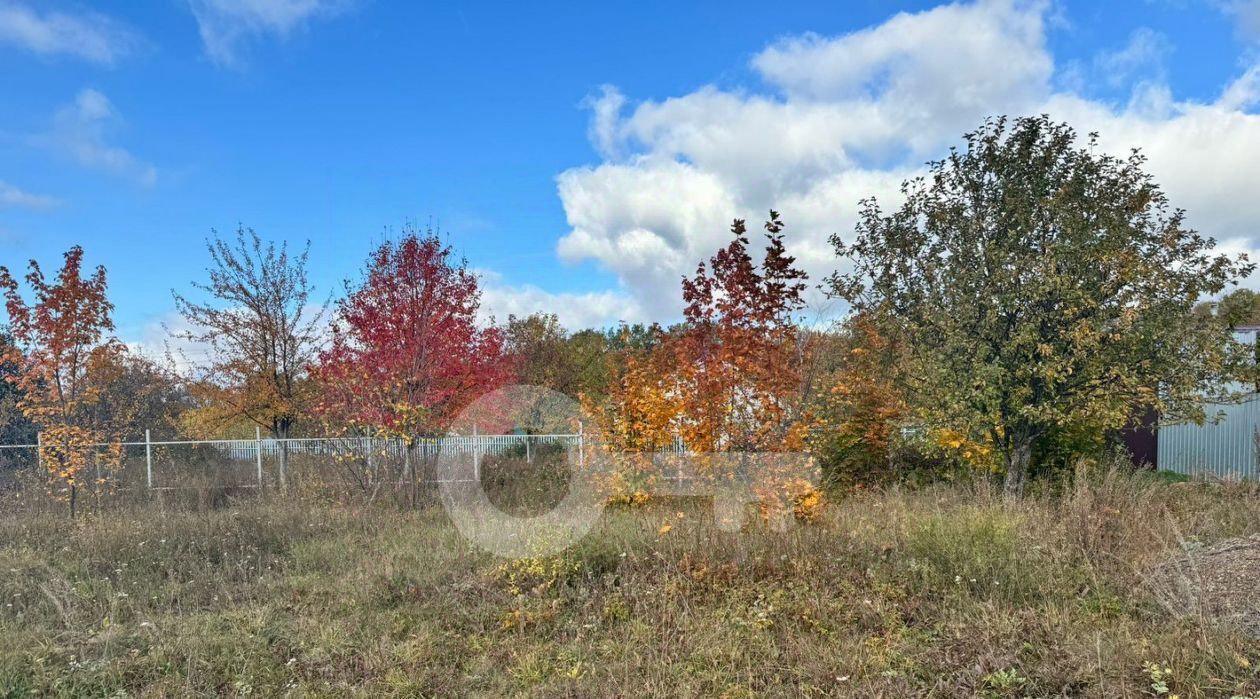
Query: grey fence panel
x=1221 y=449
x=252 y=463
x=269 y=462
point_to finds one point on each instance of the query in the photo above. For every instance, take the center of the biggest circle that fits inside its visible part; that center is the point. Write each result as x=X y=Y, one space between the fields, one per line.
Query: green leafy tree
x=572 y=363
x=15 y=427
x=636 y=337
x=1237 y=308
x=1039 y=286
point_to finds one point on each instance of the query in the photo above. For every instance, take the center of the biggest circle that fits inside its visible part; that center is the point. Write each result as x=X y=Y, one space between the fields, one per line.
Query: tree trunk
x=1017 y=458
x=96 y=484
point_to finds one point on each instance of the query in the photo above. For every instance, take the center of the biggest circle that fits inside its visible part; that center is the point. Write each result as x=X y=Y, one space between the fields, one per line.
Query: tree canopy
x=1039 y=285
x=408 y=351
x=260 y=333
x=62 y=346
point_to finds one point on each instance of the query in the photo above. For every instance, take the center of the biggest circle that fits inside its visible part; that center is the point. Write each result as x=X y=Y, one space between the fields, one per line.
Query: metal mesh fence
x=355 y=463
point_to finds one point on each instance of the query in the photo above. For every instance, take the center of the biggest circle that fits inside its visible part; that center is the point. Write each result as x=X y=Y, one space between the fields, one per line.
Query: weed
x=947 y=591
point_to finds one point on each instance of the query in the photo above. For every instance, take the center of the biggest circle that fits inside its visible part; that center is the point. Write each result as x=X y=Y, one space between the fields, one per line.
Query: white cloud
x=605 y=115
x=12 y=196
x=946 y=54
x=226 y=24
x=158 y=340
x=1202 y=154
x=1243 y=93
x=87 y=35
x=848 y=117
x=1246 y=16
x=575 y=310
x=80 y=131
x=1143 y=53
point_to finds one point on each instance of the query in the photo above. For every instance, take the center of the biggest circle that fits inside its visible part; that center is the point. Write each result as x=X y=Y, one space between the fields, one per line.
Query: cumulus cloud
x=81 y=129
x=1201 y=153
x=88 y=35
x=955 y=57
x=575 y=310
x=12 y=196
x=847 y=117
x=227 y=24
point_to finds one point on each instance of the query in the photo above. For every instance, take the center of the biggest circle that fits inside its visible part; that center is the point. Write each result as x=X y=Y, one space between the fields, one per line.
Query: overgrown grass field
x=944 y=591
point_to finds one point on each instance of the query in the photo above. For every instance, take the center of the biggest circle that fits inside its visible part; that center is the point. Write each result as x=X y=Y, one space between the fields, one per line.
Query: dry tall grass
x=945 y=591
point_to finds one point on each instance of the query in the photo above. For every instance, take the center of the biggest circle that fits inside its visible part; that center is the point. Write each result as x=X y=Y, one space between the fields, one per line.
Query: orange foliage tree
x=730 y=378
x=861 y=408
x=64 y=348
x=738 y=361
x=638 y=418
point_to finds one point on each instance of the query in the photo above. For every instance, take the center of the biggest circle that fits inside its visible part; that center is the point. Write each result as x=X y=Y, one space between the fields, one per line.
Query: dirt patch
x=1219 y=583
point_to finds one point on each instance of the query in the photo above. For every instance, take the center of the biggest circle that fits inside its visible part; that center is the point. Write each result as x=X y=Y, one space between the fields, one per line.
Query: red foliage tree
x=738 y=356
x=407 y=351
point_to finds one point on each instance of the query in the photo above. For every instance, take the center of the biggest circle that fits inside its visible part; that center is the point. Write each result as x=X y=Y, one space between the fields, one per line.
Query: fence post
x=581 y=446
x=258 y=454
x=148 y=459
x=528 y=458
x=39 y=451
x=406 y=452
x=476 y=455
x=283 y=443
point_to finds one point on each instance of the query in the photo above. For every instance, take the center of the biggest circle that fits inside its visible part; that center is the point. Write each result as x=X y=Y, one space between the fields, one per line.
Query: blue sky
x=581 y=155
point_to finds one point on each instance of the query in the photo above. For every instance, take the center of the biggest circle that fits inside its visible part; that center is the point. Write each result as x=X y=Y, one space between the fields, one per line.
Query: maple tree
x=739 y=362
x=731 y=377
x=407 y=352
x=62 y=346
x=637 y=418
